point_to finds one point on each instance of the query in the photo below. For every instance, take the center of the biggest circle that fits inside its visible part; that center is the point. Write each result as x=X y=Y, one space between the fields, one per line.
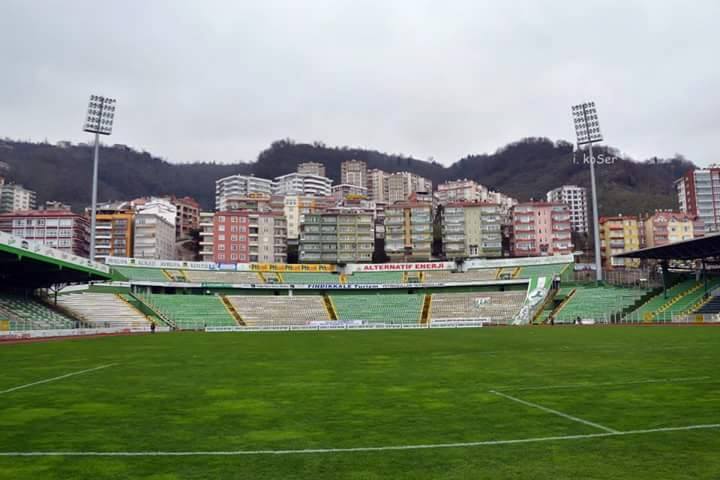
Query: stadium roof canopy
x=28 y=265
x=699 y=248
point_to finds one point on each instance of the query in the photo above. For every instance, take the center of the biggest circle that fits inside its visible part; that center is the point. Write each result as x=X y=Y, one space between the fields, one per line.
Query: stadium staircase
x=175 y=275
x=662 y=303
x=543 y=313
x=103 y=310
x=427 y=306
x=146 y=301
x=231 y=310
x=710 y=306
x=330 y=307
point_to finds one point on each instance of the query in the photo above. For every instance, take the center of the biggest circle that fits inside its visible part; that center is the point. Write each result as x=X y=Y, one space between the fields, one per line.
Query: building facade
x=401 y=185
x=699 y=196
x=302 y=184
x=60 y=229
x=664 y=227
x=154 y=237
x=187 y=216
x=312 y=168
x=337 y=237
x=354 y=172
x=541 y=229
x=296 y=207
x=460 y=191
x=471 y=229
x=207 y=236
x=619 y=234
x=377 y=185
x=243 y=236
x=14 y=198
x=114 y=234
x=409 y=231
x=576 y=199
x=239 y=186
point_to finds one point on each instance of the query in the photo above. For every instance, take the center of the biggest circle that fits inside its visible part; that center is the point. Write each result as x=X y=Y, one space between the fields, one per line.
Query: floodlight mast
x=100 y=114
x=587 y=130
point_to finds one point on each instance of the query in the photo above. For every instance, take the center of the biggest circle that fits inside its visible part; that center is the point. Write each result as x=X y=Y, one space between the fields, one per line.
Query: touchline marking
x=56 y=378
x=604 y=384
x=358 y=449
x=550 y=410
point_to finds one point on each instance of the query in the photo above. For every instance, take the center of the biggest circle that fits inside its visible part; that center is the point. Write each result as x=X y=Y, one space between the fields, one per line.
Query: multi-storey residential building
x=187 y=216
x=207 y=236
x=471 y=229
x=460 y=191
x=576 y=198
x=619 y=234
x=154 y=237
x=156 y=206
x=344 y=190
x=236 y=186
x=312 y=168
x=540 y=229
x=665 y=227
x=337 y=237
x=55 y=205
x=114 y=234
x=59 y=229
x=401 y=185
x=409 y=231
x=302 y=184
x=243 y=236
x=699 y=195
x=259 y=202
x=15 y=198
x=295 y=208
x=377 y=185
x=354 y=172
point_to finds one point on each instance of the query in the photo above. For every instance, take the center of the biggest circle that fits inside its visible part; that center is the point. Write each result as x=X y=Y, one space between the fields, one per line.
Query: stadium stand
x=310 y=278
x=279 y=309
x=379 y=308
x=191 y=311
x=648 y=310
x=541 y=270
x=596 y=302
x=375 y=277
x=146 y=274
x=442 y=276
x=712 y=306
x=494 y=306
x=103 y=310
x=200 y=276
x=27 y=313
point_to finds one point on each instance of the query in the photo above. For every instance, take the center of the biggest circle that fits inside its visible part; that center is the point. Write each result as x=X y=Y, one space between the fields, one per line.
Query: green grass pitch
x=537 y=402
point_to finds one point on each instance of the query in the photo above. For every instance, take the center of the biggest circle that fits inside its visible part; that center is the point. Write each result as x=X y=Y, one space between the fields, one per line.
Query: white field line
x=357 y=449
x=555 y=412
x=54 y=379
x=604 y=384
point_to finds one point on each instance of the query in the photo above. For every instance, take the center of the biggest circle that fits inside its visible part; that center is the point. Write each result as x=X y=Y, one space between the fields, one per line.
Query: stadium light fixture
x=587 y=131
x=99 y=120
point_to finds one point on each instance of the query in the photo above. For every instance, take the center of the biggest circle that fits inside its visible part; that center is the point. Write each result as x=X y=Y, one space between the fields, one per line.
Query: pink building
x=243 y=236
x=61 y=229
x=541 y=229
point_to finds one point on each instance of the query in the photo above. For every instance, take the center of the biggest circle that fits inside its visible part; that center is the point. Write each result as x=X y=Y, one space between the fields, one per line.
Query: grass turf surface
x=300 y=390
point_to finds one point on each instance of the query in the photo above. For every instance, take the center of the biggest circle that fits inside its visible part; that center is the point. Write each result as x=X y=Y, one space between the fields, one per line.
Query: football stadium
x=486 y=368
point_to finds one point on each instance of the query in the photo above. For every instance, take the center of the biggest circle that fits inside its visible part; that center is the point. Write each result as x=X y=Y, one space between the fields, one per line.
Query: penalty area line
x=54 y=379
x=359 y=449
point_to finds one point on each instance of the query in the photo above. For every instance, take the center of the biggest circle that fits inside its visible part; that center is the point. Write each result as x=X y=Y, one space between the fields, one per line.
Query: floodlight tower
x=100 y=114
x=587 y=130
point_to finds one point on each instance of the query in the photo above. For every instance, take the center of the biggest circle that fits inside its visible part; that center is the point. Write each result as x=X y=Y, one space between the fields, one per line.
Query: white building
x=295 y=207
x=377 y=185
x=403 y=184
x=461 y=191
x=576 y=198
x=312 y=168
x=14 y=198
x=239 y=186
x=302 y=184
x=207 y=236
x=354 y=172
x=154 y=236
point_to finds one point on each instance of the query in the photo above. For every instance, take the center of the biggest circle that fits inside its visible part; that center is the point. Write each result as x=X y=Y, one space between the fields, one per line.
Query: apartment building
x=377 y=185
x=699 y=195
x=664 y=227
x=354 y=172
x=541 y=229
x=576 y=198
x=187 y=217
x=244 y=236
x=236 y=186
x=619 y=234
x=460 y=191
x=296 y=207
x=312 y=168
x=207 y=236
x=344 y=190
x=114 y=233
x=471 y=229
x=409 y=231
x=401 y=185
x=60 y=229
x=302 y=184
x=337 y=237
x=14 y=198
x=154 y=236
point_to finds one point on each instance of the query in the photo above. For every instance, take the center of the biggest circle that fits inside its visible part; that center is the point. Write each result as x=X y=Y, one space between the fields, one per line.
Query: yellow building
x=665 y=227
x=114 y=235
x=619 y=234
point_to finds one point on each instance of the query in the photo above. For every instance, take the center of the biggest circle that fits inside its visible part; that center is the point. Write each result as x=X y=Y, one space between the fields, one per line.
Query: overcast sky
x=219 y=81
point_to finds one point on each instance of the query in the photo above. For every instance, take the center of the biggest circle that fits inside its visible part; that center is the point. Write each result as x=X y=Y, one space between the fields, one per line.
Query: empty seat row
x=191 y=311
x=379 y=307
x=103 y=310
x=258 y=310
x=28 y=313
x=494 y=306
